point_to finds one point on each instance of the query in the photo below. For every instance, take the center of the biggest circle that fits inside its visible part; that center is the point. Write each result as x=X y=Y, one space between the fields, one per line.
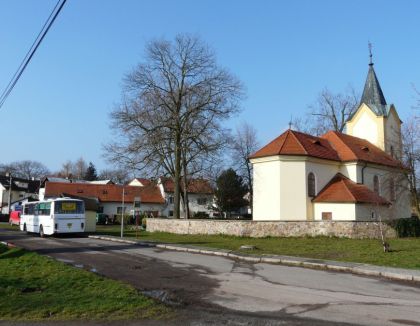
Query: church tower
x=375 y=120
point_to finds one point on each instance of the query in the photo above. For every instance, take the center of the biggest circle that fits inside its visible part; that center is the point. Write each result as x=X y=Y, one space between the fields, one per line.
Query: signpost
x=136 y=213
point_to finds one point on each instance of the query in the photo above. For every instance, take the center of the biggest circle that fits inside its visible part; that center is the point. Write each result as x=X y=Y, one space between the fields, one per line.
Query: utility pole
x=122 y=213
x=10 y=191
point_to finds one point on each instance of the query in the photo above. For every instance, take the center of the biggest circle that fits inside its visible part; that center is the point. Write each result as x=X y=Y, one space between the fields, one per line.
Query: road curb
x=354 y=268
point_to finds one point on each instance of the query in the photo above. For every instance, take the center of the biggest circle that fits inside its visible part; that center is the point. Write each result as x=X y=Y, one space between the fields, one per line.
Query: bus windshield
x=69 y=207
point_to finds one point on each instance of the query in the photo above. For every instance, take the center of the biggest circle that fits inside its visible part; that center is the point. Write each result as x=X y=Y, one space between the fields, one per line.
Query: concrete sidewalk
x=398 y=274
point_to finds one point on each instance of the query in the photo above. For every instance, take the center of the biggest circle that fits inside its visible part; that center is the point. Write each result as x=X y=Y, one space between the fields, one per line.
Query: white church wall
x=351 y=171
x=339 y=211
x=266 y=204
x=324 y=171
x=400 y=207
x=367 y=125
x=292 y=190
x=369 y=212
x=393 y=134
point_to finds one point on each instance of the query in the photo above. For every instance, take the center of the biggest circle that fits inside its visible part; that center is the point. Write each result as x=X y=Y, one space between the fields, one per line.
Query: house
x=110 y=196
x=21 y=190
x=200 y=195
x=349 y=176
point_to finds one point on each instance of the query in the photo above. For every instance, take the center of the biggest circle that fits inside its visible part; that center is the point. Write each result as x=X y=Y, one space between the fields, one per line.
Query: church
x=352 y=176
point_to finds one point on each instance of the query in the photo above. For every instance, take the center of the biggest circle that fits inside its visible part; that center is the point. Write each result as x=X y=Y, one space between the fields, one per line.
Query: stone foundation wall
x=259 y=229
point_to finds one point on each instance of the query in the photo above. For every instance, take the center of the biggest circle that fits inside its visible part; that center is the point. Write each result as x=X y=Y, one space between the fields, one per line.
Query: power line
x=45 y=28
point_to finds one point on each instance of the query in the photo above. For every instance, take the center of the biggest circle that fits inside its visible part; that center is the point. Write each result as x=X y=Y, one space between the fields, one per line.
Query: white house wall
x=110 y=208
x=340 y=211
x=194 y=206
x=266 y=187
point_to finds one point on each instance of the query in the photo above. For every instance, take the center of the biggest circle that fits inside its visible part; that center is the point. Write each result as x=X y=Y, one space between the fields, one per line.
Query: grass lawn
x=405 y=252
x=34 y=287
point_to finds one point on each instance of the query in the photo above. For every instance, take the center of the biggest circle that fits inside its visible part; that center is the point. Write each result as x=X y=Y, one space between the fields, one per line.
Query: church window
x=311 y=184
x=392 y=151
x=376 y=184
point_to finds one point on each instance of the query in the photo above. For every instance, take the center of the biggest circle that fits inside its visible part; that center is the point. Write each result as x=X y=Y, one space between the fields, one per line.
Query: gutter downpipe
x=363 y=173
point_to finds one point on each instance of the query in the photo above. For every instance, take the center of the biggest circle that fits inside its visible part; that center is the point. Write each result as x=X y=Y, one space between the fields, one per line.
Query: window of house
x=171 y=213
x=311 y=184
x=376 y=184
x=392 y=189
x=202 y=201
x=171 y=199
x=120 y=209
x=326 y=216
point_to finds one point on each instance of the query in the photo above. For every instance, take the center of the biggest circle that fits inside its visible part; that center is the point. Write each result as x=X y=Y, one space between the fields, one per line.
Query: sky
x=284 y=52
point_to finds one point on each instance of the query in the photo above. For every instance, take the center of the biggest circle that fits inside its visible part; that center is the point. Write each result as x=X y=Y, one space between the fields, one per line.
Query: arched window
x=376 y=184
x=392 y=151
x=392 y=196
x=311 y=184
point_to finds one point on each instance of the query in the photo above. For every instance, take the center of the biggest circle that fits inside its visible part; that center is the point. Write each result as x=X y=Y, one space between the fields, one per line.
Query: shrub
x=407 y=227
x=201 y=215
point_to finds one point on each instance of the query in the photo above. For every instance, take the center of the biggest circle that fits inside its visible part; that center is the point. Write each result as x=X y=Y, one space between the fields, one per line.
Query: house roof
x=105 y=193
x=20 y=184
x=294 y=142
x=101 y=182
x=195 y=186
x=343 y=190
x=350 y=148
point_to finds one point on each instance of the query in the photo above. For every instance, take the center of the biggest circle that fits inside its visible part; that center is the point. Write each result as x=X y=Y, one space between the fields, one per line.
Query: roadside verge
x=397 y=274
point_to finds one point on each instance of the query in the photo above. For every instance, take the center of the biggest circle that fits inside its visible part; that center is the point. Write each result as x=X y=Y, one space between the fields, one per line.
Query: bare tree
x=66 y=169
x=329 y=112
x=411 y=156
x=79 y=168
x=171 y=101
x=244 y=143
x=26 y=169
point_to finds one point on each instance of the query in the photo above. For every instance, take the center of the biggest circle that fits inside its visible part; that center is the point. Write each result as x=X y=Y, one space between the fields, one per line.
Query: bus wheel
x=41 y=231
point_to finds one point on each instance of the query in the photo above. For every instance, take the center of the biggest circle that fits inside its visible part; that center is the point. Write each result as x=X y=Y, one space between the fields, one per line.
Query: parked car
x=14 y=218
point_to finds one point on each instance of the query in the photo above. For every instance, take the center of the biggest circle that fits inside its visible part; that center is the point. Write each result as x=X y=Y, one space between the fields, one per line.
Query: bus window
x=69 y=207
x=44 y=208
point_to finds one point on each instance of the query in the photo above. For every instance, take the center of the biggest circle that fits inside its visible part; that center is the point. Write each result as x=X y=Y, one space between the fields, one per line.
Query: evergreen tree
x=230 y=191
x=91 y=174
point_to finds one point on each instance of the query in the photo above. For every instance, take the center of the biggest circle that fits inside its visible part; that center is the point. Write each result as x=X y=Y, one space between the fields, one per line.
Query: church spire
x=372 y=93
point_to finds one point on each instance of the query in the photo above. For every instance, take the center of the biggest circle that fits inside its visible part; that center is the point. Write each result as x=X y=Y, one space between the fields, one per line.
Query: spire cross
x=290 y=123
x=370 y=53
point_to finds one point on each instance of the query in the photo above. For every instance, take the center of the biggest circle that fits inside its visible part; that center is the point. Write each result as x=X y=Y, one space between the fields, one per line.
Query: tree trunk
x=186 y=204
x=177 y=198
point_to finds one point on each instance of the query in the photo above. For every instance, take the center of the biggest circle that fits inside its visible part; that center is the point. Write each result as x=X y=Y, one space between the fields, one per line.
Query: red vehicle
x=14 y=218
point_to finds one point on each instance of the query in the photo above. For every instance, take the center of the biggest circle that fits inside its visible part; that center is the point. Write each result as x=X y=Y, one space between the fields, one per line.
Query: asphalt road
x=211 y=290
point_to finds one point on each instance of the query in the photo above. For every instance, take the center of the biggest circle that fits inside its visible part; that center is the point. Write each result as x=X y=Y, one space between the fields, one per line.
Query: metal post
x=122 y=213
x=10 y=193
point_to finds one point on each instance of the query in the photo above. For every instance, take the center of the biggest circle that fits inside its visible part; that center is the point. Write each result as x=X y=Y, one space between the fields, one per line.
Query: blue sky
x=285 y=52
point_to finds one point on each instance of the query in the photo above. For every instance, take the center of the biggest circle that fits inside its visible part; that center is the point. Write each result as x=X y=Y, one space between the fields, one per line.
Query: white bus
x=53 y=216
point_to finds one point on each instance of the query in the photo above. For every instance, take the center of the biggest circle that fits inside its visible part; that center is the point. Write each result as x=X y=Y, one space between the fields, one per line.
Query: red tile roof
x=350 y=148
x=333 y=145
x=294 y=142
x=106 y=193
x=195 y=186
x=343 y=190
